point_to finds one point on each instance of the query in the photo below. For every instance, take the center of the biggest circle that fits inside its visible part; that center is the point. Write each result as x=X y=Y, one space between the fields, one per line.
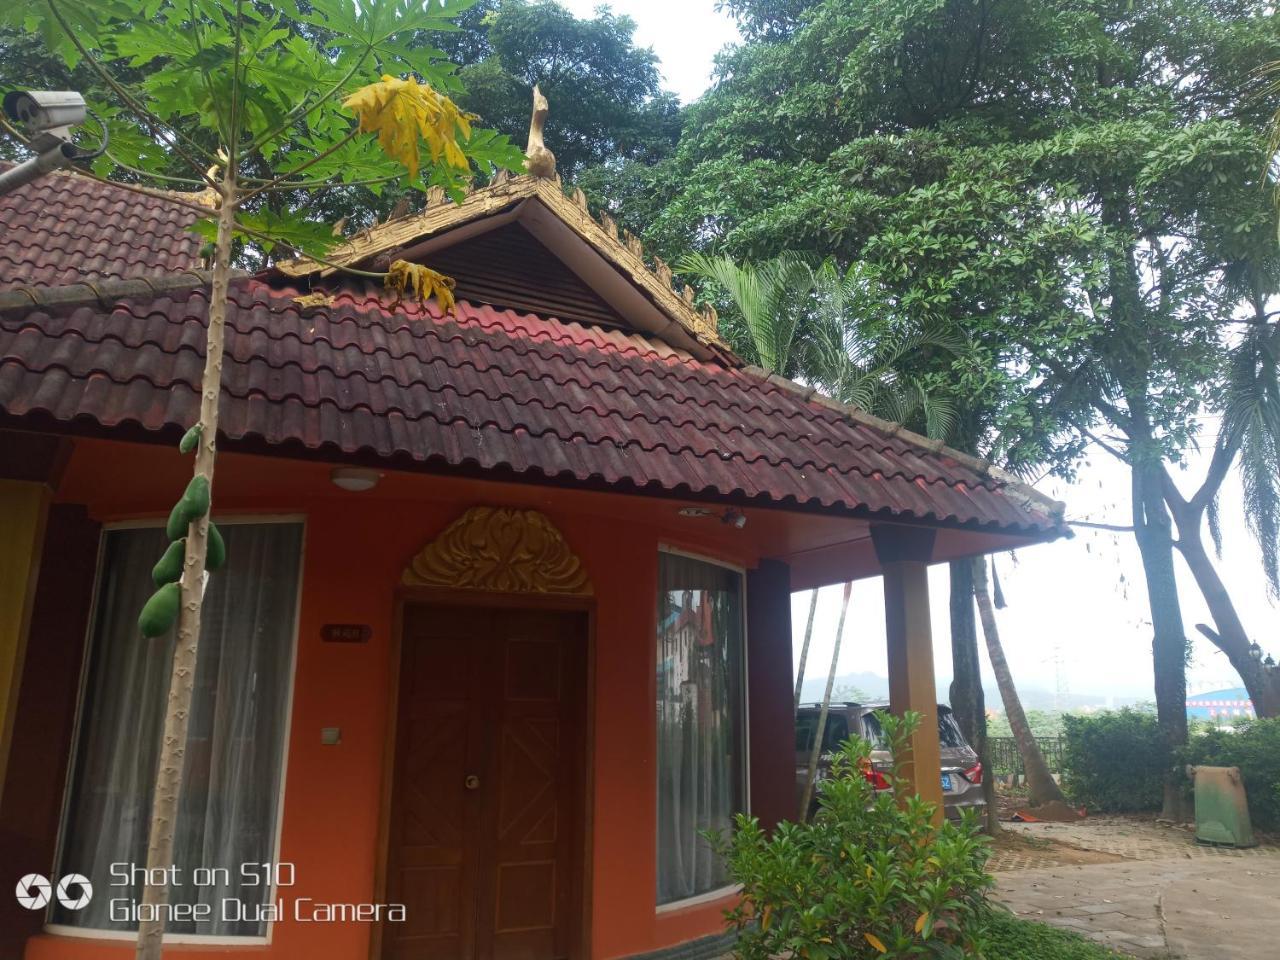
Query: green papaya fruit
x=160 y=612
x=215 y=554
x=190 y=439
x=169 y=568
x=176 y=528
x=195 y=501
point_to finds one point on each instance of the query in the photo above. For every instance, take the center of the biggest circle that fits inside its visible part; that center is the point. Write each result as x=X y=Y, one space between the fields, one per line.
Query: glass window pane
x=235 y=740
x=836 y=733
x=701 y=726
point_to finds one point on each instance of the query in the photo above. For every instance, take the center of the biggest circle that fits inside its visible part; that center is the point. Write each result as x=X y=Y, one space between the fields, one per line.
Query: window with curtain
x=235 y=741
x=701 y=720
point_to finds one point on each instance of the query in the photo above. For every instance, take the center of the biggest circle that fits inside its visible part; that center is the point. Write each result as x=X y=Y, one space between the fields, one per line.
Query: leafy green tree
x=1076 y=184
x=228 y=87
x=606 y=94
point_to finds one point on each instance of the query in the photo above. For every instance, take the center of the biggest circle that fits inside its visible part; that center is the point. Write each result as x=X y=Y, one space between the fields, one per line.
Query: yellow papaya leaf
x=421 y=282
x=404 y=112
x=872 y=939
x=921 y=921
x=766 y=918
x=317 y=299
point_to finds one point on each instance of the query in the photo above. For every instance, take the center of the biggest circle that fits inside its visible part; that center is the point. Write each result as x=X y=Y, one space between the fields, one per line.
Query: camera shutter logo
x=67 y=891
x=33 y=892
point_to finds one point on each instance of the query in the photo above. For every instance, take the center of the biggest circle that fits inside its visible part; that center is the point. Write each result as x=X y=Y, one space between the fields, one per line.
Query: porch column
x=771 y=709
x=904 y=554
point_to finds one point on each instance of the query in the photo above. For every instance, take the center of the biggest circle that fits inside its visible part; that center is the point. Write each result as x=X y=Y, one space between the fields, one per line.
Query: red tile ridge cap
x=103 y=292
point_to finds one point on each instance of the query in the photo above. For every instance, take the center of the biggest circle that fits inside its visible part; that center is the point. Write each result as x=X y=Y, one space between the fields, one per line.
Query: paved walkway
x=1163 y=896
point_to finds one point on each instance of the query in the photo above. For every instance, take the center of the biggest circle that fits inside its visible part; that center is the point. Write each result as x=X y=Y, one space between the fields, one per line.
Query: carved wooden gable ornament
x=501 y=550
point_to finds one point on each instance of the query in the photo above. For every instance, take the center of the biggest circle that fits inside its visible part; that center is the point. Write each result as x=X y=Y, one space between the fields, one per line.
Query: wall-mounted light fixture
x=354 y=479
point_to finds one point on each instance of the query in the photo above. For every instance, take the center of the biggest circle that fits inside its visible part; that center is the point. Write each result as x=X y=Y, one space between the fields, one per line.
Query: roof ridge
x=1023 y=493
x=25 y=296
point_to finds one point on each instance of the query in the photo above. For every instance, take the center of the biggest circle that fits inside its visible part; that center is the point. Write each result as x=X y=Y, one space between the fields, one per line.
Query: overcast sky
x=1077 y=618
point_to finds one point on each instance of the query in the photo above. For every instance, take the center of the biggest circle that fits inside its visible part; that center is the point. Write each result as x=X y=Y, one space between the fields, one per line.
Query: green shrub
x=1254 y=747
x=871 y=876
x=1012 y=939
x=1115 y=761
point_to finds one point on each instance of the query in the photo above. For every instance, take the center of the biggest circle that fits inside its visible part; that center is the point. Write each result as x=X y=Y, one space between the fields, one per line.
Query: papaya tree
x=331 y=94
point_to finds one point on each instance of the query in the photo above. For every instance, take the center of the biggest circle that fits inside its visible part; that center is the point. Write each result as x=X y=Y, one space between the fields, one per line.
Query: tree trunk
x=968 y=703
x=1154 y=533
x=168 y=784
x=1040 y=781
x=804 y=649
x=821 y=729
x=1229 y=637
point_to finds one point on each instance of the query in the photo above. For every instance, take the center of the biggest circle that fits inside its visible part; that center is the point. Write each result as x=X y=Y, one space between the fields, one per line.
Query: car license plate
x=946 y=782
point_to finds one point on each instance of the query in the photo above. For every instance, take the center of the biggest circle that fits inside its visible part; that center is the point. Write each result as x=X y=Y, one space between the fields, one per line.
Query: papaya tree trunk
x=968 y=703
x=820 y=731
x=1040 y=782
x=804 y=648
x=168 y=783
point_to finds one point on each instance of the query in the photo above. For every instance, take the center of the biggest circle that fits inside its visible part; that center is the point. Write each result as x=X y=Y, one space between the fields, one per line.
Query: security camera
x=48 y=115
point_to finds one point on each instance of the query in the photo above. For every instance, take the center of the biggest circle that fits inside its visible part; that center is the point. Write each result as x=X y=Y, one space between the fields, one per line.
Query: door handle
x=472 y=782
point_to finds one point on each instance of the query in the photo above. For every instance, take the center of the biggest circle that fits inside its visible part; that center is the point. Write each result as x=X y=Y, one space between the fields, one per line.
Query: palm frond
x=1251 y=422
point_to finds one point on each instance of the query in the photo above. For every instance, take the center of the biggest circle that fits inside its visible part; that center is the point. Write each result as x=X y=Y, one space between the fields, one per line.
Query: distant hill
x=876 y=687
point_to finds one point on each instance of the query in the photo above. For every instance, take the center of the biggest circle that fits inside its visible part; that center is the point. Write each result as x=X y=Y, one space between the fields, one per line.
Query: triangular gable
x=613 y=269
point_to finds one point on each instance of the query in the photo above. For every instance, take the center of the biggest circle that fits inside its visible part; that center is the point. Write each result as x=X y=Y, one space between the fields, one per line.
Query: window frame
x=728 y=889
x=86 y=653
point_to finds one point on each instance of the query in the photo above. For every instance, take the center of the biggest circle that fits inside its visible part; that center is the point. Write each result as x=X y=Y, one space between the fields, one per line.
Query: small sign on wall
x=346 y=633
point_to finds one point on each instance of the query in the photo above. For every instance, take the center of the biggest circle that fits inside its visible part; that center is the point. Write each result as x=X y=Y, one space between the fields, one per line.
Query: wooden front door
x=485 y=842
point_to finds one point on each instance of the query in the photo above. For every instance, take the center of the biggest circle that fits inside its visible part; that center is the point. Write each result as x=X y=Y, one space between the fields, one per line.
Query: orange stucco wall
x=356 y=546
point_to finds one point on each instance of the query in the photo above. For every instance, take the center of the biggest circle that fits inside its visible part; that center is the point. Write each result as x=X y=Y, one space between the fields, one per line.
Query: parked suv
x=961 y=770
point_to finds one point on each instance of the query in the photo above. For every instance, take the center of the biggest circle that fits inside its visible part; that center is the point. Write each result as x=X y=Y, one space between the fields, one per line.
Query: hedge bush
x=1115 y=761
x=870 y=878
x=1254 y=747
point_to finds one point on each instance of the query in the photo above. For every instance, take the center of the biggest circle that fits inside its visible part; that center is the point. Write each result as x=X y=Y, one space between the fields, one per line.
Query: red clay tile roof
x=488 y=390
x=63 y=228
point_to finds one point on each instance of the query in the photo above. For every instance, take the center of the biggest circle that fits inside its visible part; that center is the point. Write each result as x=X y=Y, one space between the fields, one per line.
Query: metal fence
x=1007 y=762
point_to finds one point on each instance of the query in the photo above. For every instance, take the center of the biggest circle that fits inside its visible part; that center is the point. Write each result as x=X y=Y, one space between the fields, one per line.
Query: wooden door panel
x=439 y=740
x=488 y=873
x=525 y=908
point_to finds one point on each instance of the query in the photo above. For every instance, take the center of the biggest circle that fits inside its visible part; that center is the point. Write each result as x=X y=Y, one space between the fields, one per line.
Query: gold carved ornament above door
x=503 y=550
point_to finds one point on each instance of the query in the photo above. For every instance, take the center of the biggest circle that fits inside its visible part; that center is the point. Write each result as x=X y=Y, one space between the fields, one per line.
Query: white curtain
x=235 y=742
x=701 y=742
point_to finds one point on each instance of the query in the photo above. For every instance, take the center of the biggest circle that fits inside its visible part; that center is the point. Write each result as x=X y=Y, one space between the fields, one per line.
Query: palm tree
x=1040 y=782
x=820 y=325
x=770 y=298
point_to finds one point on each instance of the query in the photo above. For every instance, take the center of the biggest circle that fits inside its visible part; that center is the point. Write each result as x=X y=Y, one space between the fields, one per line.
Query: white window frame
x=178 y=939
x=731 y=889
